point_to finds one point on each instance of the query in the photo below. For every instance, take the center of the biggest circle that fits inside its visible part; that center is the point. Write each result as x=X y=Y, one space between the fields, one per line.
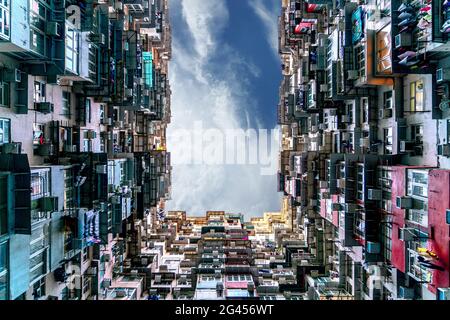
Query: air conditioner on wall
x=444 y=150
x=404 y=202
x=44 y=107
x=14 y=147
x=442 y=74
x=14 y=75
x=323 y=184
x=405 y=293
x=373 y=247
x=364 y=142
x=374 y=194
x=97 y=38
x=406 y=234
x=324 y=88
x=353 y=74
x=403 y=40
x=52 y=28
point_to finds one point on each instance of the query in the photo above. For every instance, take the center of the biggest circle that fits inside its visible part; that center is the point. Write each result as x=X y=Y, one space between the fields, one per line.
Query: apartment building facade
x=84 y=164
x=363 y=161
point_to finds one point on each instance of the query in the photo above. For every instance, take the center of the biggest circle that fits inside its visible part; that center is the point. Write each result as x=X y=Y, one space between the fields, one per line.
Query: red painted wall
x=398 y=189
x=438 y=202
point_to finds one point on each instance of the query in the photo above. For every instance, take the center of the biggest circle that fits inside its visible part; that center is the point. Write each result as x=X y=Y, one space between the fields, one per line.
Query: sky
x=224 y=75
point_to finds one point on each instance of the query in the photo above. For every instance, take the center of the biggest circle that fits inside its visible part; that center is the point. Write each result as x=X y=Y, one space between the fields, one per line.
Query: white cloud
x=269 y=17
x=219 y=100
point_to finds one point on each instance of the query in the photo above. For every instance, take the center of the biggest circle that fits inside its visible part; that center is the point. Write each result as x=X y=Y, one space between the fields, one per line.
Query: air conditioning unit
x=403 y=40
x=106 y=283
x=374 y=194
x=314 y=273
x=326 y=195
x=312 y=202
x=387 y=113
x=373 y=247
x=92 y=271
x=444 y=150
x=404 y=202
x=364 y=142
x=52 y=29
x=97 y=38
x=48 y=204
x=341 y=183
x=350 y=207
x=129 y=92
x=323 y=88
x=345 y=119
x=14 y=147
x=405 y=293
x=442 y=74
x=91 y=134
x=406 y=234
x=44 y=107
x=45 y=150
x=406 y=146
x=101 y=168
x=336 y=207
x=14 y=75
x=109 y=121
x=118 y=6
x=323 y=184
x=352 y=74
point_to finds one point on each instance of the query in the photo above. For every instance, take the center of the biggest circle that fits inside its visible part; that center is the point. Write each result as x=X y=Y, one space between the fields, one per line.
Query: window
x=4 y=20
x=88 y=110
x=71 y=48
x=39 y=289
x=383 y=42
x=68 y=189
x=66 y=103
x=5 y=92
x=360 y=60
x=87 y=143
x=386 y=239
x=417 y=133
x=418 y=183
x=38 y=134
x=5 y=131
x=414 y=267
x=39 y=91
x=38 y=265
x=416 y=102
x=102 y=113
x=85 y=253
x=387 y=140
x=387 y=100
x=365 y=110
x=40 y=184
x=86 y=284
